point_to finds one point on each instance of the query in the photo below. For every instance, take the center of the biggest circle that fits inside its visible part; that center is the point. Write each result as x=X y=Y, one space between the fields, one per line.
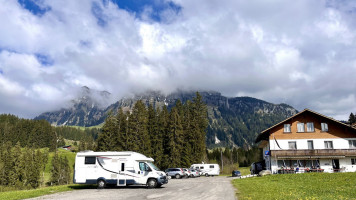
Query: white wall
x=338 y=143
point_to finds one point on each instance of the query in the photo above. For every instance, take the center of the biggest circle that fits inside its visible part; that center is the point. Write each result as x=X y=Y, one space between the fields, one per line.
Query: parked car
x=187 y=172
x=175 y=172
x=194 y=173
x=236 y=173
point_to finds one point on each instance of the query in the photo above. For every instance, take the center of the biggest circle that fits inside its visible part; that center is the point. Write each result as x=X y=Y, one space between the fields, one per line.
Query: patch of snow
x=217 y=141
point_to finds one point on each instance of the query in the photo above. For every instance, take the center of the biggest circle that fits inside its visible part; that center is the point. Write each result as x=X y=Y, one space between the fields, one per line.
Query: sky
x=302 y=53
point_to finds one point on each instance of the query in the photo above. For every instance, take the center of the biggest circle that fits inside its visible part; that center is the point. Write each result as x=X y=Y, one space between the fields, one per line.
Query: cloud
x=300 y=53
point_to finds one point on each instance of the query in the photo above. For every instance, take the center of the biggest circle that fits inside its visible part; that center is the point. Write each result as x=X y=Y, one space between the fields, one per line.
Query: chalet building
x=309 y=141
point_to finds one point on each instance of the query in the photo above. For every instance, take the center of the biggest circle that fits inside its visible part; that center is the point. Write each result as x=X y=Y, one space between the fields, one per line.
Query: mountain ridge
x=233 y=121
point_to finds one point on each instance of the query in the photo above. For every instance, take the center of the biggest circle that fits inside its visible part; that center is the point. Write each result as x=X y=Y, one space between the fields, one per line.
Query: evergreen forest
x=173 y=138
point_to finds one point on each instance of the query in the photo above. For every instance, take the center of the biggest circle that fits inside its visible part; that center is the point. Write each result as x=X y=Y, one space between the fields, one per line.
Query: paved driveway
x=207 y=188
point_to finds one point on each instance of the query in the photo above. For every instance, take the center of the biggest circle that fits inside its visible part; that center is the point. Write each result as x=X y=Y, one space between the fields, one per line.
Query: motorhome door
x=122 y=177
x=143 y=173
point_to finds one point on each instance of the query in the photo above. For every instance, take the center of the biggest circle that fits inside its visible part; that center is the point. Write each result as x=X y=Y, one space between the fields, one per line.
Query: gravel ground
x=207 y=188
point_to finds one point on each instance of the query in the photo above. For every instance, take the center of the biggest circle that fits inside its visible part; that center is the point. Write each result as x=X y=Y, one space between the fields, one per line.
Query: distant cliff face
x=87 y=110
x=232 y=121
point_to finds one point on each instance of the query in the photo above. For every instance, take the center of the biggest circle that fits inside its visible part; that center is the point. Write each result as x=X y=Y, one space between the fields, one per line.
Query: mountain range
x=233 y=121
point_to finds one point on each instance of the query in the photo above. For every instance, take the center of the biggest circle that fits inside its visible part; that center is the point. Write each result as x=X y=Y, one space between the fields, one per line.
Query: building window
x=90 y=160
x=310 y=144
x=353 y=161
x=287 y=128
x=292 y=145
x=300 y=127
x=324 y=127
x=310 y=127
x=352 y=144
x=328 y=144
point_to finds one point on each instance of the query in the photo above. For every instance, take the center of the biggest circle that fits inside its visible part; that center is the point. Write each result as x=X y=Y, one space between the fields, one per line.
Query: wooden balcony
x=315 y=153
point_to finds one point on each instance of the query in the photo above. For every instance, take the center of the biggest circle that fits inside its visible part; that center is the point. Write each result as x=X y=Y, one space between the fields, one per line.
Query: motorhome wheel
x=101 y=184
x=206 y=174
x=152 y=183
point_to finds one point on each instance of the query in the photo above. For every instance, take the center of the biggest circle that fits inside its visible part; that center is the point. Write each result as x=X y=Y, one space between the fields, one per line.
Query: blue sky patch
x=36 y=7
x=138 y=6
x=45 y=60
x=98 y=12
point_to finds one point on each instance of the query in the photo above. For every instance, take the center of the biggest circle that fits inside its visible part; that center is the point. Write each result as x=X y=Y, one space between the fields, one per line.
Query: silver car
x=175 y=172
x=194 y=173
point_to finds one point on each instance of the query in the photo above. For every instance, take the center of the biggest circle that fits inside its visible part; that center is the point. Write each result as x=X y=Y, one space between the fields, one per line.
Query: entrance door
x=336 y=165
x=122 y=176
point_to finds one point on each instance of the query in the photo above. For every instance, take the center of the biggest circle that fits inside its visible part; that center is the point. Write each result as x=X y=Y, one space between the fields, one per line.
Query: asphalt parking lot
x=207 y=188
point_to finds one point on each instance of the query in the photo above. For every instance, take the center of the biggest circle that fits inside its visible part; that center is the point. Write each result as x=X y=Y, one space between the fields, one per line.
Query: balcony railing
x=313 y=153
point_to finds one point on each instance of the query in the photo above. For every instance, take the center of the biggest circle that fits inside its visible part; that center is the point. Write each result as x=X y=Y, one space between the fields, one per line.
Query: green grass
x=24 y=194
x=228 y=170
x=89 y=127
x=298 y=186
x=71 y=159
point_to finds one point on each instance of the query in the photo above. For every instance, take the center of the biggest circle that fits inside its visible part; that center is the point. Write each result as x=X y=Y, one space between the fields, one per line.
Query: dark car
x=236 y=173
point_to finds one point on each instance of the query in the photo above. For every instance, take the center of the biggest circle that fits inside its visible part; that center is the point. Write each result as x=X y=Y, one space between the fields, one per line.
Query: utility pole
x=222 y=162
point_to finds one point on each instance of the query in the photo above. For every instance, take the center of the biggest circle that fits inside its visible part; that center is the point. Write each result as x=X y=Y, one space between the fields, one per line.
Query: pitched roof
x=264 y=134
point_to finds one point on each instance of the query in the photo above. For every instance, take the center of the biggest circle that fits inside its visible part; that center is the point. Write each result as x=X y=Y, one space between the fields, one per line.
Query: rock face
x=232 y=121
x=87 y=110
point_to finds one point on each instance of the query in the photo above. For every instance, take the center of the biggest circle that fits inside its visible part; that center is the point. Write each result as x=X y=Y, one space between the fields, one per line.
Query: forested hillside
x=40 y=133
x=171 y=138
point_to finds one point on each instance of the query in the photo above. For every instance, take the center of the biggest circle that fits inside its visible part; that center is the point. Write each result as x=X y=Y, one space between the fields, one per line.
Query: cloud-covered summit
x=301 y=53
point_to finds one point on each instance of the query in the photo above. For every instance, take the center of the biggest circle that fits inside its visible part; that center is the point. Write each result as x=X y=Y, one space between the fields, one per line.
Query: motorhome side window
x=211 y=166
x=90 y=160
x=143 y=166
x=202 y=167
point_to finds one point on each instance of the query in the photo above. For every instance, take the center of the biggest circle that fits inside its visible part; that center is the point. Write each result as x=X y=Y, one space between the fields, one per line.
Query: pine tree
x=33 y=170
x=199 y=124
x=176 y=137
x=163 y=119
x=152 y=130
x=121 y=131
x=55 y=170
x=106 y=140
x=123 y=136
x=138 y=133
x=7 y=159
x=188 y=153
x=16 y=172
x=352 y=118
x=64 y=171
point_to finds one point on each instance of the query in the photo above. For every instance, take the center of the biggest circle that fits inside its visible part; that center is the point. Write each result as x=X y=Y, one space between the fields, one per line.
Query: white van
x=207 y=169
x=118 y=168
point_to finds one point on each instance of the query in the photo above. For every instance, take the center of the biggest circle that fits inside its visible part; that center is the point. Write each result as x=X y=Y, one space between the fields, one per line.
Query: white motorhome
x=207 y=169
x=118 y=168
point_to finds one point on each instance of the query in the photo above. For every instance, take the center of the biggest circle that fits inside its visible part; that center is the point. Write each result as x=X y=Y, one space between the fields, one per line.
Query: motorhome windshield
x=153 y=166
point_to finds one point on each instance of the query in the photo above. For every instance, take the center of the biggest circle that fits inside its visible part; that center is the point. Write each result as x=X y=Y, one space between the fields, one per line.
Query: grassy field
x=71 y=159
x=298 y=186
x=89 y=127
x=227 y=171
x=24 y=194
